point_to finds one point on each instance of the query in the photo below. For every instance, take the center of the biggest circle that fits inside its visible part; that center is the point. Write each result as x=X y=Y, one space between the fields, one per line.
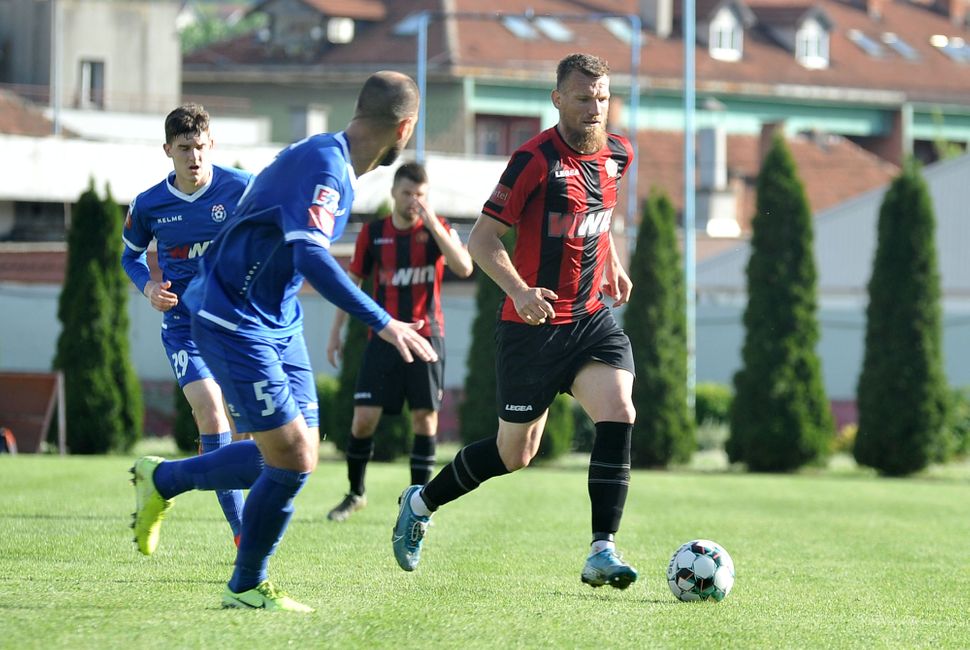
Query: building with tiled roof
x=893 y=76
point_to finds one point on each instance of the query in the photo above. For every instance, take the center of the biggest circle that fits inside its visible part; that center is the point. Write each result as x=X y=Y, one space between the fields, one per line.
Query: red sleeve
x=524 y=174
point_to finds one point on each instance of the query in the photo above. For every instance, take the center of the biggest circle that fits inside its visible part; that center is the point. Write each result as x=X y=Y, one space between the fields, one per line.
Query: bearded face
x=583 y=104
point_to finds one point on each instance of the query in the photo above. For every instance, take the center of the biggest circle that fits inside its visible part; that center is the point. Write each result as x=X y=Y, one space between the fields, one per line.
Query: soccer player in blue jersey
x=248 y=324
x=183 y=213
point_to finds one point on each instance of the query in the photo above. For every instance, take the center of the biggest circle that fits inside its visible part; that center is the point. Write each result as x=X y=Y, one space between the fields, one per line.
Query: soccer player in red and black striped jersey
x=555 y=333
x=404 y=254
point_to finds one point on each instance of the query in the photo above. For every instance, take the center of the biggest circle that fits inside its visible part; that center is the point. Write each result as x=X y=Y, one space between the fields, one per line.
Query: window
x=500 y=135
x=725 y=40
x=812 y=46
x=901 y=47
x=866 y=44
x=307 y=120
x=520 y=27
x=953 y=47
x=91 y=84
x=620 y=28
x=553 y=29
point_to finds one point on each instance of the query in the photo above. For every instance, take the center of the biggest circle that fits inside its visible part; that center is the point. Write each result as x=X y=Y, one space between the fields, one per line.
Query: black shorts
x=535 y=363
x=385 y=379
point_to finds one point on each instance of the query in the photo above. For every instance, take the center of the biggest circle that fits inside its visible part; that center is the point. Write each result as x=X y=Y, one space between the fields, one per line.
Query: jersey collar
x=341 y=137
x=194 y=196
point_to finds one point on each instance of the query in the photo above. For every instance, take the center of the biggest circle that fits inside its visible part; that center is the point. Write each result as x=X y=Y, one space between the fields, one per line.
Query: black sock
x=609 y=476
x=473 y=465
x=359 y=452
x=422 y=459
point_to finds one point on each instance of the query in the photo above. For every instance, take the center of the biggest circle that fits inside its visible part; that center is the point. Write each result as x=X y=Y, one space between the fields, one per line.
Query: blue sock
x=233 y=467
x=265 y=517
x=230 y=500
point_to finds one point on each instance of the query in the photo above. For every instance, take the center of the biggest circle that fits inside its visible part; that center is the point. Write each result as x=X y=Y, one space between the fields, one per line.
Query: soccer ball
x=700 y=570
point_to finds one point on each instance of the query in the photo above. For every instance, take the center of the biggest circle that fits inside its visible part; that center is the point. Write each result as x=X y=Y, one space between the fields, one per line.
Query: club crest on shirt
x=218 y=213
x=611 y=167
x=421 y=237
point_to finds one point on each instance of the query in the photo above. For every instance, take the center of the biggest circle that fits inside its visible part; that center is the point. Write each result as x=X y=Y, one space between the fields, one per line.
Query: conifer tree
x=656 y=323
x=477 y=411
x=780 y=417
x=902 y=392
x=132 y=409
x=85 y=347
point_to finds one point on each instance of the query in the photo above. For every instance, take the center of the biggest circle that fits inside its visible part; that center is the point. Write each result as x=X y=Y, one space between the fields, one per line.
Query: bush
x=712 y=403
x=958 y=423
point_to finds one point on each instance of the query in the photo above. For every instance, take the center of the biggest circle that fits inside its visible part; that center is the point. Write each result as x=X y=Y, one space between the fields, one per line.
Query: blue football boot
x=606 y=567
x=409 y=531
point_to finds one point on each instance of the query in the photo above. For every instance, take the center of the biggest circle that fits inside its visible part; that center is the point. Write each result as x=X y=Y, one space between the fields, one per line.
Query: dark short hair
x=387 y=97
x=411 y=171
x=588 y=64
x=187 y=119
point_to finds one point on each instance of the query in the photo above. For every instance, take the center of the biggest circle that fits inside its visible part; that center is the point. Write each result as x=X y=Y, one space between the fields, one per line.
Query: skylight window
x=408 y=25
x=726 y=37
x=520 y=27
x=619 y=27
x=866 y=44
x=553 y=29
x=954 y=47
x=900 y=47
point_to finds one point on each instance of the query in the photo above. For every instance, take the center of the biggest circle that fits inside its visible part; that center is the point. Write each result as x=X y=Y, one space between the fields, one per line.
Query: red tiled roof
x=358 y=9
x=459 y=45
x=19 y=117
x=832 y=169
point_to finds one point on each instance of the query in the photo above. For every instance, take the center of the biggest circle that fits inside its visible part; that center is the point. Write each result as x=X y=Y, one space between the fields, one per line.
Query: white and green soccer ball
x=700 y=570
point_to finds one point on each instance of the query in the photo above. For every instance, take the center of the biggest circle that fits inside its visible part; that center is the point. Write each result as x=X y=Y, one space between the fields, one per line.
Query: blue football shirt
x=248 y=281
x=184 y=226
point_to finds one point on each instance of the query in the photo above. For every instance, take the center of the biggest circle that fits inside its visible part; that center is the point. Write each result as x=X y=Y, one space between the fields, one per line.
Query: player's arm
x=335 y=345
x=616 y=283
x=134 y=260
x=488 y=251
x=326 y=276
x=456 y=256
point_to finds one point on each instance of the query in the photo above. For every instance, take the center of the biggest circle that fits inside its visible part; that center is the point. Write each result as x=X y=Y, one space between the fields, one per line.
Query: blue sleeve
x=136 y=266
x=322 y=271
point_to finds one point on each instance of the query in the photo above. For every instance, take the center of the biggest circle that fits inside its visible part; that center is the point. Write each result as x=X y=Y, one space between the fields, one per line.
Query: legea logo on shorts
x=362 y=396
x=518 y=407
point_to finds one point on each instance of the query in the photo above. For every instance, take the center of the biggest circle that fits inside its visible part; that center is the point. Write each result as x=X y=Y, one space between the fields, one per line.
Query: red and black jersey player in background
x=555 y=334
x=404 y=254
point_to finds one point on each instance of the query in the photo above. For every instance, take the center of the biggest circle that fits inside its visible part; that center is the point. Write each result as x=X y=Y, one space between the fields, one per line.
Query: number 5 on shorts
x=265 y=398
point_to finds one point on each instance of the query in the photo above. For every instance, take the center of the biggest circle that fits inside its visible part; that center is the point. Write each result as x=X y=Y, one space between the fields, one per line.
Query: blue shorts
x=183 y=354
x=266 y=382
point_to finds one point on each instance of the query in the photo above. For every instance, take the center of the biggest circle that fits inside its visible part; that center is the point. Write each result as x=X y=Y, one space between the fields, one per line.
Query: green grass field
x=830 y=559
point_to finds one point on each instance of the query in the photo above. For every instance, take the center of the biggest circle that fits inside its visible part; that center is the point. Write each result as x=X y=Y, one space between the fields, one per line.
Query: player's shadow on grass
x=599 y=596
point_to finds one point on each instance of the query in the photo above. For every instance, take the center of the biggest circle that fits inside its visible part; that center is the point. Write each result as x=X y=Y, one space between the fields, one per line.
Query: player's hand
x=617 y=284
x=335 y=348
x=159 y=296
x=533 y=304
x=428 y=216
x=405 y=337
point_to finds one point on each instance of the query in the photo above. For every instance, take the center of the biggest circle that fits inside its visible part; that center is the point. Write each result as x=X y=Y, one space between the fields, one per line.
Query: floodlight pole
x=424 y=19
x=690 y=254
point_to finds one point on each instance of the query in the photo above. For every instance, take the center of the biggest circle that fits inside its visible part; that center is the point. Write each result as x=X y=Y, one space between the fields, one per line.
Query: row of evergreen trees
x=779 y=417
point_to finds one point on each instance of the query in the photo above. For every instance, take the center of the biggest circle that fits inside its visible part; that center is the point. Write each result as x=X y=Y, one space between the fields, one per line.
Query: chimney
x=956 y=10
x=768 y=131
x=717 y=204
x=875 y=8
x=657 y=16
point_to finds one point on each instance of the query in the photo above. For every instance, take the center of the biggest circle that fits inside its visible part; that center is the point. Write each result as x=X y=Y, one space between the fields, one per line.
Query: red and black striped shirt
x=561 y=204
x=406 y=267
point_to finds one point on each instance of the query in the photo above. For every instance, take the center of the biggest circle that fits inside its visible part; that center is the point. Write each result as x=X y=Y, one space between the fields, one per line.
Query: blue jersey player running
x=248 y=323
x=183 y=213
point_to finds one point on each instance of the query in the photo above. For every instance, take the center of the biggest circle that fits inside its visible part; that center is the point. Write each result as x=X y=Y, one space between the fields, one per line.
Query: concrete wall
x=29 y=330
